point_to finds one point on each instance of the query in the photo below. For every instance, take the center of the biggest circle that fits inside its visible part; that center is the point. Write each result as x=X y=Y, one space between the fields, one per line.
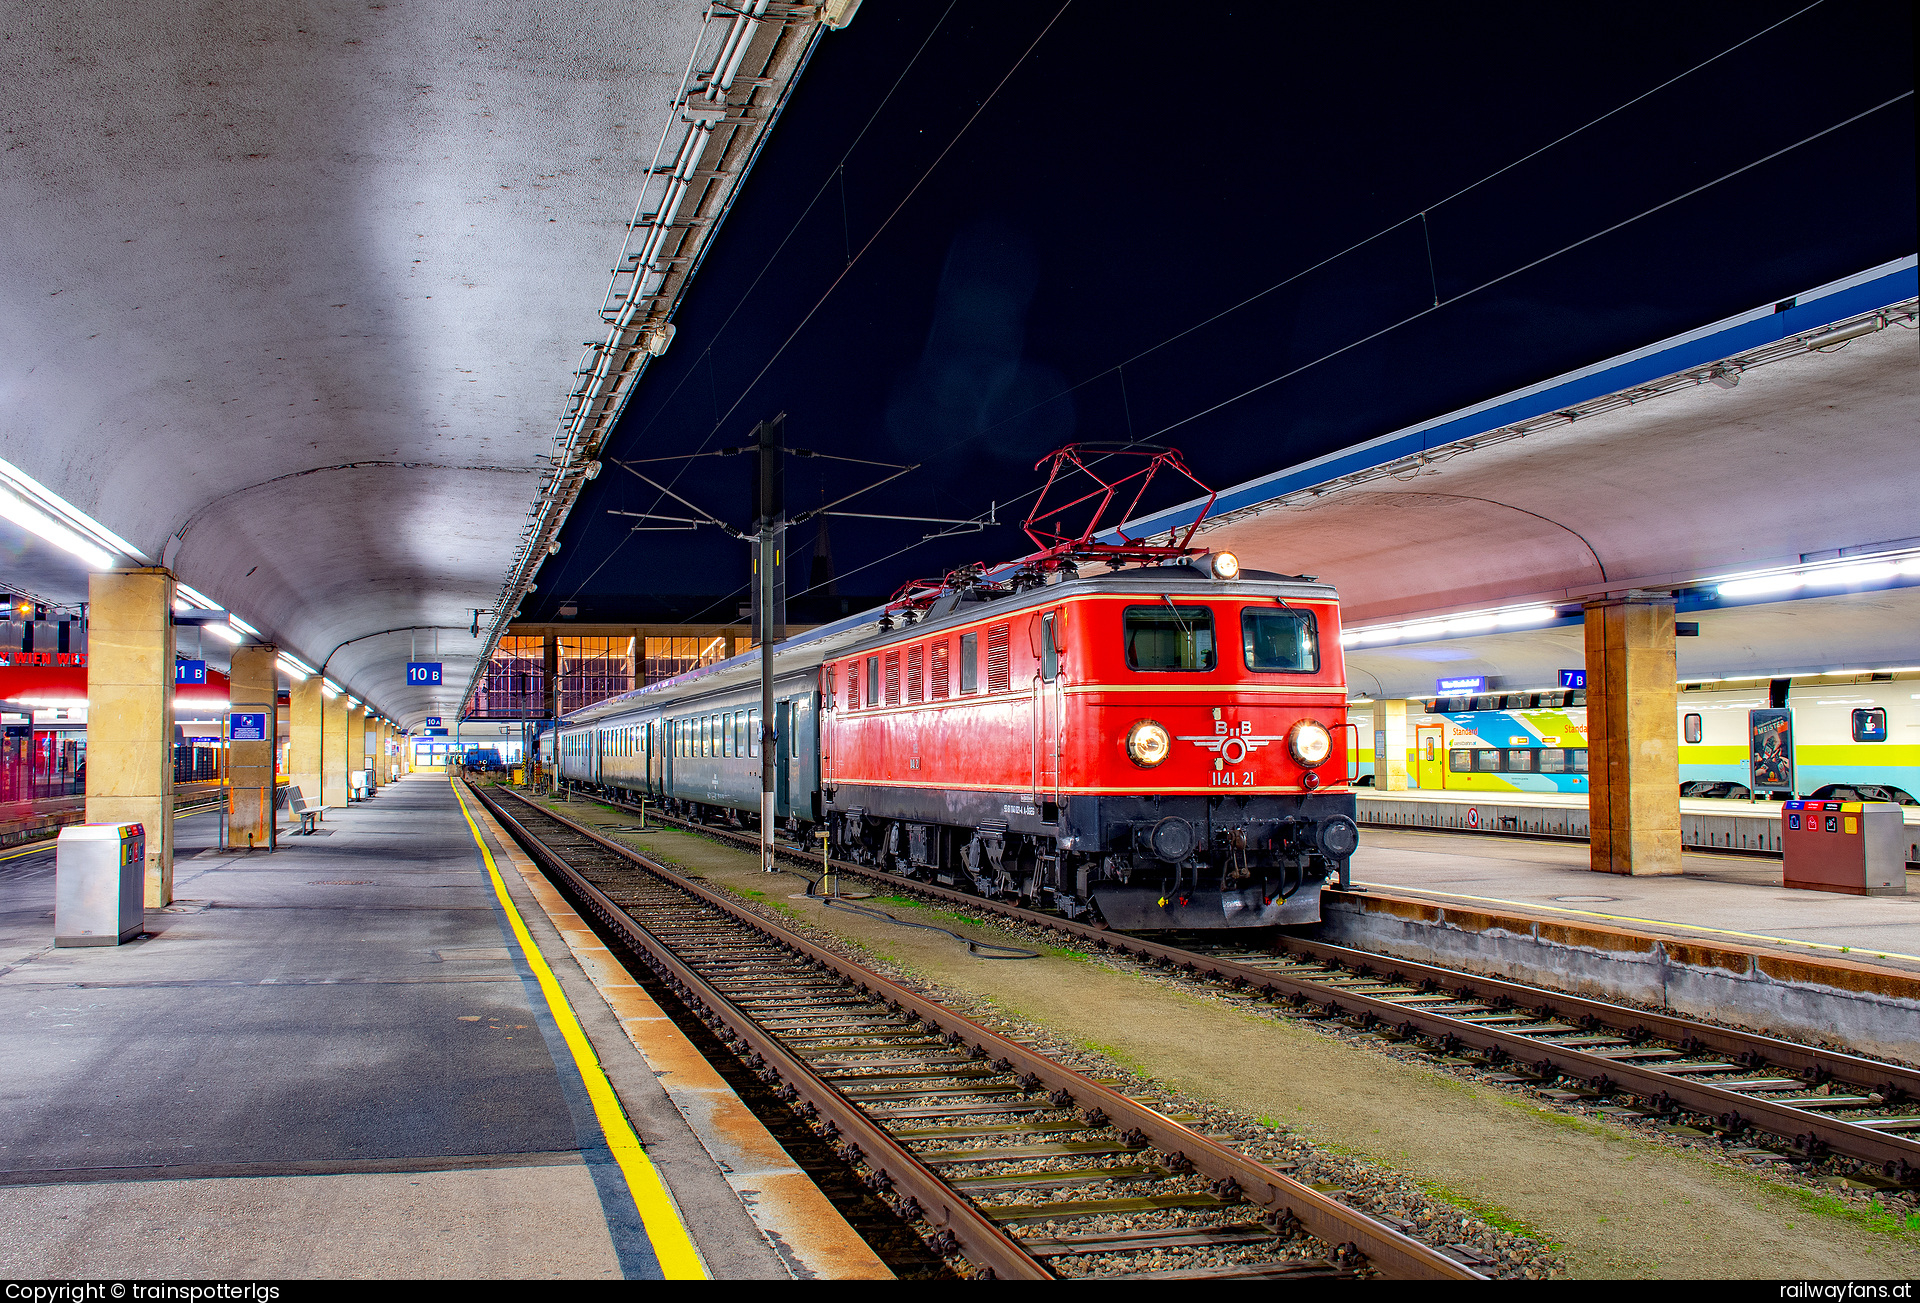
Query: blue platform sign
x=423 y=674
x=433 y=721
x=436 y=732
x=1573 y=678
x=247 y=726
x=1461 y=686
x=189 y=672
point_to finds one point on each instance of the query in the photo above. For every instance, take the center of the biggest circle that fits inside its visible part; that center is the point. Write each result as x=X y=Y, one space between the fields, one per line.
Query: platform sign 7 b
x=422 y=674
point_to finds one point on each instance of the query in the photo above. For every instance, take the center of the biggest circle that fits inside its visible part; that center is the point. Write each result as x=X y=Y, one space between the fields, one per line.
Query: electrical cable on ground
x=973 y=947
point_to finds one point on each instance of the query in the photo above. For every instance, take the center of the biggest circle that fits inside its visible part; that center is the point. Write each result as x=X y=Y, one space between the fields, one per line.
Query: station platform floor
x=380 y=1051
x=1730 y=898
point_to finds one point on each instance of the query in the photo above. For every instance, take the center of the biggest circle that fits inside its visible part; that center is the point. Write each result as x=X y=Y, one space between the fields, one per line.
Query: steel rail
x=1277 y=1195
x=1732 y=1109
x=981 y=1241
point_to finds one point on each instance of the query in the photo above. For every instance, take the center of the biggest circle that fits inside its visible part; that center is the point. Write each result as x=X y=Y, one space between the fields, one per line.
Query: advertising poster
x=1771 y=738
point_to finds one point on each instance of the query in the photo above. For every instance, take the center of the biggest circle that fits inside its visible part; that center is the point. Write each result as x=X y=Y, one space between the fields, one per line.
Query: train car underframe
x=1138 y=863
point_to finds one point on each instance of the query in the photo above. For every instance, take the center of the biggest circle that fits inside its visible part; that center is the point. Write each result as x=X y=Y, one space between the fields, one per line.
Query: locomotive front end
x=1216 y=754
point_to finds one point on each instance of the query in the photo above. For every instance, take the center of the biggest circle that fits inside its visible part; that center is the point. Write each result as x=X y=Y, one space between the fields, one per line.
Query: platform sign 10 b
x=423 y=674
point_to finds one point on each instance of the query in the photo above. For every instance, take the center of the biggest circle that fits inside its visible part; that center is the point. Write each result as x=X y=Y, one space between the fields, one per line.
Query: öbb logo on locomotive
x=1099 y=744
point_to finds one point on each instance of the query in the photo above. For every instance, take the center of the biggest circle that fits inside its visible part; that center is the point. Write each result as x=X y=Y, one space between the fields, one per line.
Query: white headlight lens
x=1226 y=565
x=1310 y=743
x=1148 y=743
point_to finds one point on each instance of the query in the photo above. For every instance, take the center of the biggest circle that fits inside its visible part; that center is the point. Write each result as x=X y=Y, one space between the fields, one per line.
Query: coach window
x=873 y=680
x=1169 y=637
x=1691 y=729
x=1280 y=640
x=1486 y=760
x=1553 y=760
x=740 y=733
x=753 y=732
x=969 y=662
x=1519 y=762
x=1870 y=725
x=1460 y=762
x=1577 y=759
x=726 y=734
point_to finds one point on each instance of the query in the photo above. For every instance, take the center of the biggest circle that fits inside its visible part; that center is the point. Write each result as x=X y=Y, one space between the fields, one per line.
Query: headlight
x=1310 y=743
x=1148 y=743
x=1221 y=565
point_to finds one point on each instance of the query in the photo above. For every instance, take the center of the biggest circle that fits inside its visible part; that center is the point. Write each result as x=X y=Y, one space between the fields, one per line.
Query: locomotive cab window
x=1280 y=640
x=873 y=680
x=969 y=662
x=1169 y=637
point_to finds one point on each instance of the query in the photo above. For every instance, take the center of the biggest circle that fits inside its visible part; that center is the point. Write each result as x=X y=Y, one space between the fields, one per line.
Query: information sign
x=247 y=726
x=189 y=672
x=436 y=732
x=1771 y=743
x=1462 y=686
x=1573 y=678
x=423 y=674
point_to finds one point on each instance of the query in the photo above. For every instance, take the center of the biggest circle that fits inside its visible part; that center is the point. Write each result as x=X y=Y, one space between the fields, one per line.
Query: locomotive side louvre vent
x=999 y=676
x=938 y=688
x=853 y=685
x=893 y=678
x=916 y=678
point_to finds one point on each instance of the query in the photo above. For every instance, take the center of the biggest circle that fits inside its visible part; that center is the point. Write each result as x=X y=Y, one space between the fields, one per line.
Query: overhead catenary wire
x=1428 y=311
x=1384 y=231
x=761 y=275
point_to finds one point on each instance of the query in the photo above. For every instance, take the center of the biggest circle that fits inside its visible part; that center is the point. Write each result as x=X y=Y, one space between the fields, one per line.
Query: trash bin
x=99 y=884
x=1857 y=848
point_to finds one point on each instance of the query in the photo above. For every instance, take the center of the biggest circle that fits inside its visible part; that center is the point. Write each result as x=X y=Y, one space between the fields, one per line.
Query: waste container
x=1857 y=848
x=99 y=884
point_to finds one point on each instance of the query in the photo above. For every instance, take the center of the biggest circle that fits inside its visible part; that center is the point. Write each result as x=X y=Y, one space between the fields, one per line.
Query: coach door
x=1430 y=756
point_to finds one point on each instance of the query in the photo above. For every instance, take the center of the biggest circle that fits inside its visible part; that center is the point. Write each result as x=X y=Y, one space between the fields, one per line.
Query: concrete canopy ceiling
x=1806 y=455
x=290 y=295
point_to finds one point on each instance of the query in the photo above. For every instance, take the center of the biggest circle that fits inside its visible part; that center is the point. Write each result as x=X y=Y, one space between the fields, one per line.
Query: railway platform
x=1724 y=939
x=381 y=1051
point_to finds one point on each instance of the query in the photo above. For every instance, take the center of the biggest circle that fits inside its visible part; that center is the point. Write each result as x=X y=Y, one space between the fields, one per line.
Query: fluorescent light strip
x=291 y=670
x=224 y=632
x=1838 y=573
x=1506 y=617
x=66 y=513
x=36 y=521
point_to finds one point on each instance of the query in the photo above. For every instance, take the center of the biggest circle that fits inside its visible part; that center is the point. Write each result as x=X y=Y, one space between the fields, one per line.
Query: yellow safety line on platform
x=1855 y=951
x=678 y=1258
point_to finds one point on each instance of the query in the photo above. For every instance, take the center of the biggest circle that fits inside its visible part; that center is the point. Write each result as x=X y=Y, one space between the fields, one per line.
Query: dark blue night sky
x=1146 y=167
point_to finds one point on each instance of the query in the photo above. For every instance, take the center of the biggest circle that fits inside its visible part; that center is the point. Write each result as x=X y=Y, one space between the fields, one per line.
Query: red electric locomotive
x=1160 y=746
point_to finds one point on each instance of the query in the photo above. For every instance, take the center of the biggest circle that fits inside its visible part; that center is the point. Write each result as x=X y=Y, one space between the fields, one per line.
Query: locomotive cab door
x=1049 y=709
x=1430 y=756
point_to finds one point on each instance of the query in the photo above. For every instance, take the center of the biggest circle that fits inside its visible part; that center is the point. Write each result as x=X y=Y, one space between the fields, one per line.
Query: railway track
x=1795 y=1100
x=1005 y=1162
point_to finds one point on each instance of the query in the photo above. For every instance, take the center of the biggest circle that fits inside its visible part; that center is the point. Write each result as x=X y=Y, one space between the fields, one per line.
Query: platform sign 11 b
x=421 y=674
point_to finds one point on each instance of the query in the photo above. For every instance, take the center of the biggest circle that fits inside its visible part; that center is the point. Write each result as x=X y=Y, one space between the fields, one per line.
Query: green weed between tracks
x=1492 y=1214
